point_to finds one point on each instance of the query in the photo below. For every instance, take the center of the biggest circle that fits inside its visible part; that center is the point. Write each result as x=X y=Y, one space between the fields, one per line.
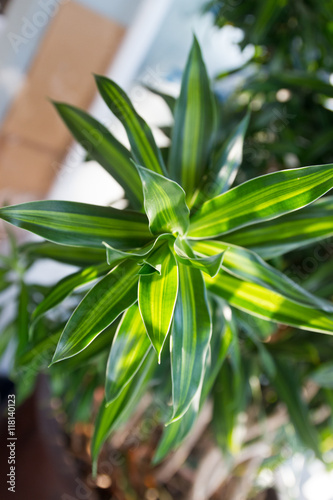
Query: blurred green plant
x=287 y=80
x=188 y=262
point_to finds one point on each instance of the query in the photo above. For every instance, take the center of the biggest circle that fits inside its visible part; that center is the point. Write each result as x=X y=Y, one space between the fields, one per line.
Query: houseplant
x=184 y=265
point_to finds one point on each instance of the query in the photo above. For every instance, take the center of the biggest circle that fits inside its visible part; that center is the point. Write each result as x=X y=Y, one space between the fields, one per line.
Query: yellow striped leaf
x=80 y=224
x=189 y=340
x=104 y=148
x=164 y=202
x=100 y=307
x=128 y=351
x=267 y=304
x=248 y=266
x=144 y=148
x=296 y=230
x=261 y=199
x=210 y=265
x=194 y=125
x=157 y=294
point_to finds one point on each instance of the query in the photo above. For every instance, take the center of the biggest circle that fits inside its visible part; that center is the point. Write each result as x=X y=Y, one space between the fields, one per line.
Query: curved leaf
x=193 y=130
x=189 y=340
x=111 y=416
x=259 y=301
x=157 y=294
x=174 y=434
x=164 y=202
x=143 y=144
x=114 y=255
x=210 y=265
x=228 y=160
x=296 y=230
x=75 y=256
x=248 y=266
x=128 y=351
x=104 y=148
x=225 y=164
x=229 y=396
x=66 y=286
x=261 y=199
x=100 y=307
x=79 y=224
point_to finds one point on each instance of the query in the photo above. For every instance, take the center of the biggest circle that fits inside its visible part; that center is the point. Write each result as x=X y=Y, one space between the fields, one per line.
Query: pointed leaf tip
x=164 y=202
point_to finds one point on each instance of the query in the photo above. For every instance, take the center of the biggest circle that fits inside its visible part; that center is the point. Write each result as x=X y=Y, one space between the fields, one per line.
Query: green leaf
x=128 y=351
x=147 y=270
x=144 y=149
x=259 y=301
x=224 y=165
x=75 y=256
x=174 y=434
x=103 y=148
x=164 y=202
x=114 y=255
x=66 y=286
x=248 y=266
x=109 y=417
x=100 y=347
x=323 y=376
x=228 y=160
x=79 y=224
x=261 y=199
x=194 y=125
x=157 y=294
x=189 y=340
x=210 y=265
x=289 y=391
x=295 y=230
x=229 y=395
x=227 y=409
x=223 y=338
x=100 y=307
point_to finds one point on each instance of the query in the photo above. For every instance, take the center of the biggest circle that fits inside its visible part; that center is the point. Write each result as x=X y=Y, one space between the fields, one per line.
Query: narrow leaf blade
x=80 y=224
x=66 y=286
x=157 y=294
x=144 y=148
x=104 y=148
x=174 y=434
x=194 y=125
x=295 y=230
x=190 y=339
x=261 y=199
x=109 y=417
x=100 y=307
x=164 y=202
x=259 y=301
x=248 y=266
x=128 y=351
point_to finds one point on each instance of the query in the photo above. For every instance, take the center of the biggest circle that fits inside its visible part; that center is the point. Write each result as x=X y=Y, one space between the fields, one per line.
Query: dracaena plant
x=178 y=263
